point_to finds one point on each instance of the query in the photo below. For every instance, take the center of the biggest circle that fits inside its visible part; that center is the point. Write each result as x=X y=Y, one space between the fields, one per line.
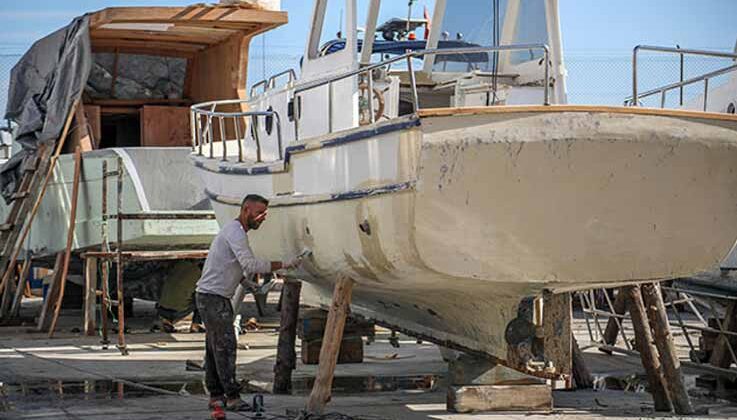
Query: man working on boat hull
x=229 y=261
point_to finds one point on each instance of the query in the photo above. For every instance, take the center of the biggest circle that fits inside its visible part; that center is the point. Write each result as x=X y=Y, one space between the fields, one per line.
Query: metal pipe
x=278 y=134
x=681 y=75
x=192 y=129
x=706 y=91
x=105 y=277
x=272 y=80
x=119 y=279
x=256 y=137
x=210 y=137
x=687 y=82
x=223 y=139
x=370 y=88
x=330 y=107
x=239 y=141
x=546 y=55
x=199 y=131
x=413 y=83
x=634 y=76
x=662 y=99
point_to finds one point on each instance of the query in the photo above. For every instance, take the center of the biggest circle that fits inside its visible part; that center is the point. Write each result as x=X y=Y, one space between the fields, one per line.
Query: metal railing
x=203 y=134
x=203 y=114
x=413 y=83
x=663 y=90
x=270 y=83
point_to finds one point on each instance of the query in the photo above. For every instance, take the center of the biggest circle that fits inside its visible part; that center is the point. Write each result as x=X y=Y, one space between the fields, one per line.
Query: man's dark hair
x=255 y=198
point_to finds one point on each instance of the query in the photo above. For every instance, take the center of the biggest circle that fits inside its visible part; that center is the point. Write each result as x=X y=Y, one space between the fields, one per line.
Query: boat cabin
x=370 y=61
x=149 y=64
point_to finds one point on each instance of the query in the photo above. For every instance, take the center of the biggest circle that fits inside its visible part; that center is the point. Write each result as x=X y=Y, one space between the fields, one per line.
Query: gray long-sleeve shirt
x=229 y=261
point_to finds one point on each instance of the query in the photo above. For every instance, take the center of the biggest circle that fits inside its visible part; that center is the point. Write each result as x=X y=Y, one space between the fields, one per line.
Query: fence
x=592 y=78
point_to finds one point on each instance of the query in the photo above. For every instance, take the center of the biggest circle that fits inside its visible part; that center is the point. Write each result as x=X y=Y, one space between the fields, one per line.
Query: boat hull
x=450 y=223
x=157 y=180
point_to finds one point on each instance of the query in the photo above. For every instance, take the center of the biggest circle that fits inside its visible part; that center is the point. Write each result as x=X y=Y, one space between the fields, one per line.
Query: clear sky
x=589 y=27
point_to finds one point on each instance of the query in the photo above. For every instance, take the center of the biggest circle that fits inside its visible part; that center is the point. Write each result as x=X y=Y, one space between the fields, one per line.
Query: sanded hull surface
x=456 y=219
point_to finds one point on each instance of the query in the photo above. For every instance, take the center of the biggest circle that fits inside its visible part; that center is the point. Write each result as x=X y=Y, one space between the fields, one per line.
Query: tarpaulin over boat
x=43 y=86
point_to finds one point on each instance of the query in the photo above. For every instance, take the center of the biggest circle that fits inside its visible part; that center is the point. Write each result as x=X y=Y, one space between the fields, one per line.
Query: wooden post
x=648 y=351
x=557 y=332
x=22 y=283
x=322 y=387
x=70 y=236
x=581 y=375
x=51 y=293
x=90 y=295
x=119 y=262
x=664 y=343
x=286 y=357
x=612 y=326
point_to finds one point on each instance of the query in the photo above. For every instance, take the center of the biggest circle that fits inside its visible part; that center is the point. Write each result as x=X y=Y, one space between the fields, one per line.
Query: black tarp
x=43 y=86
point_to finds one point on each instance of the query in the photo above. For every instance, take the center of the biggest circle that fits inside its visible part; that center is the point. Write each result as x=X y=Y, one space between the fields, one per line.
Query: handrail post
x=370 y=88
x=681 y=75
x=198 y=123
x=236 y=124
x=413 y=83
x=192 y=129
x=210 y=136
x=256 y=137
x=634 y=76
x=278 y=134
x=223 y=139
x=546 y=53
x=706 y=91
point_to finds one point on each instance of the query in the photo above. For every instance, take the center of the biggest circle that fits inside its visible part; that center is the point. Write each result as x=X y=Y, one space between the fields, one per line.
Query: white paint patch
x=133 y=172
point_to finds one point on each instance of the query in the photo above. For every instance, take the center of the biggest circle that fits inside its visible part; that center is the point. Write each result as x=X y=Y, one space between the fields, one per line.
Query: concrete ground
x=72 y=377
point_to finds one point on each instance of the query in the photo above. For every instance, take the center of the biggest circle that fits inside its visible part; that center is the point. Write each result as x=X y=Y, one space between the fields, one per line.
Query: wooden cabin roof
x=177 y=31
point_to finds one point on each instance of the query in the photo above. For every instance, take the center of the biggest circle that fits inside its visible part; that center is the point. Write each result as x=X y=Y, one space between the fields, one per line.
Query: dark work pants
x=220 y=345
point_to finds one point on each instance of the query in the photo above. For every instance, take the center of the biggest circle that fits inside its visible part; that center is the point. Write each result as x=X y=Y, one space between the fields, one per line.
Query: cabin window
x=327 y=27
x=531 y=28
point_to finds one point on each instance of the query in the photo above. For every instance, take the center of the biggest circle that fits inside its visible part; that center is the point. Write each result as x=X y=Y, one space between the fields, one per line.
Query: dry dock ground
x=72 y=377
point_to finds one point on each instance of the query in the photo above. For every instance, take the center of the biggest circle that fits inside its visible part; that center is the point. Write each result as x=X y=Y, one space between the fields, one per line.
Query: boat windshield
x=472 y=23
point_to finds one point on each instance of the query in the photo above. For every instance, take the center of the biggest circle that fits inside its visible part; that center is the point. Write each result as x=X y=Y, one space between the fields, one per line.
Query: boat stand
x=120 y=256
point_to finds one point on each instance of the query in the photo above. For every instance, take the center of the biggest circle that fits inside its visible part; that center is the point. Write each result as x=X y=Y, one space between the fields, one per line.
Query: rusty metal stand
x=121 y=257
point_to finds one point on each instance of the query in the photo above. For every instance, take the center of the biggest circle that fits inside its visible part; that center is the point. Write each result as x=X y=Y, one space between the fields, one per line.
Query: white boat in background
x=452 y=182
x=147 y=65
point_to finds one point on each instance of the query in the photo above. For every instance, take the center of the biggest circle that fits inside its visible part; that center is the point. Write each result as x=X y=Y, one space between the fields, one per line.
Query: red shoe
x=217 y=411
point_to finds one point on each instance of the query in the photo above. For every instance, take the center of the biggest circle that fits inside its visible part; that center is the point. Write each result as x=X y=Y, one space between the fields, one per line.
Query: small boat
x=134 y=72
x=448 y=177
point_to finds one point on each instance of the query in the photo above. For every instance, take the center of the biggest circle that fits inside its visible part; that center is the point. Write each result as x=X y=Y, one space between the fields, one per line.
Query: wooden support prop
x=90 y=295
x=45 y=183
x=70 y=236
x=471 y=398
x=19 y=292
x=557 y=335
x=721 y=355
x=612 y=326
x=6 y=299
x=666 y=348
x=648 y=351
x=286 y=356
x=581 y=374
x=322 y=387
x=51 y=293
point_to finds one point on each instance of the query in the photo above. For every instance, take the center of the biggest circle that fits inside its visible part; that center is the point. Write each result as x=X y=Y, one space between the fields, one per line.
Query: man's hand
x=260 y=218
x=292 y=262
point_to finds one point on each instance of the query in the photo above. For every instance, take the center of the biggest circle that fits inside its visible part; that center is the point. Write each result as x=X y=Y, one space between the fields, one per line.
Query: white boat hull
x=448 y=222
x=157 y=180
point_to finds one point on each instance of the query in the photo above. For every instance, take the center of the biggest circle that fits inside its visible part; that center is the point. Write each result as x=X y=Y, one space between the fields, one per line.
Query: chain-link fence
x=592 y=79
x=7 y=61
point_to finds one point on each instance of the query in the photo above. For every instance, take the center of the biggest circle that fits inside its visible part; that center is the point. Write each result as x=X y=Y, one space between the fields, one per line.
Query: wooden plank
x=141 y=102
x=197 y=39
x=51 y=294
x=149 y=45
x=18 y=242
x=351 y=350
x=581 y=375
x=666 y=348
x=557 y=333
x=148 y=255
x=473 y=398
x=648 y=352
x=95 y=126
x=20 y=290
x=70 y=236
x=165 y=126
x=143 y=51
x=321 y=390
x=205 y=15
x=90 y=295
x=629 y=110
x=720 y=355
x=286 y=356
x=80 y=134
x=220 y=71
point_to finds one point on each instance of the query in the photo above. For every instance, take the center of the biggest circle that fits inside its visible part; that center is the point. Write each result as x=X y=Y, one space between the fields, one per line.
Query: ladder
x=10 y=231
